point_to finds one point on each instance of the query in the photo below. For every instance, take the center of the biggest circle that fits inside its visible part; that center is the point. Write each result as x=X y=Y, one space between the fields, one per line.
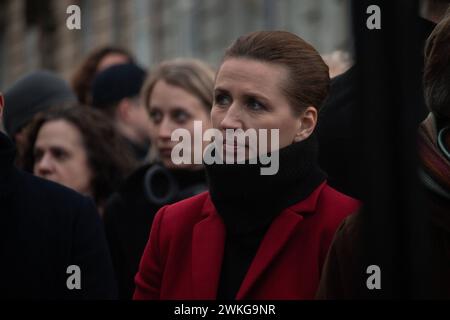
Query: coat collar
x=209 y=240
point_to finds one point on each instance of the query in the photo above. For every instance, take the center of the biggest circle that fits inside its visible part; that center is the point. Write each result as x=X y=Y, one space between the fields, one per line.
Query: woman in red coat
x=253 y=235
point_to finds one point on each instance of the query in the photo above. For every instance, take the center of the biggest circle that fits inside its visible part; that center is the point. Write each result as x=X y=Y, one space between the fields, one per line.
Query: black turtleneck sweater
x=248 y=202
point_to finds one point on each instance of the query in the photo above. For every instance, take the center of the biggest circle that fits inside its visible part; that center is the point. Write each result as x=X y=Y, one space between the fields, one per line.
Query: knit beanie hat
x=116 y=83
x=35 y=92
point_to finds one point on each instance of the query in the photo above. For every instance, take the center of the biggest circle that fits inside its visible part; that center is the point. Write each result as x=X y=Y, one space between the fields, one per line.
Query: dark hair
x=85 y=73
x=436 y=78
x=109 y=158
x=308 y=81
x=191 y=75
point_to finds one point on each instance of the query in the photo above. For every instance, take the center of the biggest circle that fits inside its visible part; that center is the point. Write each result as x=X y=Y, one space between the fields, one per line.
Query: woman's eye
x=180 y=116
x=155 y=116
x=255 y=105
x=59 y=154
x=222 y=99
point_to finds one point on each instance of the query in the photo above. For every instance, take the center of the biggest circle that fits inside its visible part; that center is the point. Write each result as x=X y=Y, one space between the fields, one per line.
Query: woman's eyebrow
x=219 y=89
x=256 y=95
x=178 y=109
x=250 y=94
x=154 y=108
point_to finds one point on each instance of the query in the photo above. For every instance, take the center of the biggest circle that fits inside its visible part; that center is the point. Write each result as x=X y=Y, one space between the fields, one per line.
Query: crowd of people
x=88 y=178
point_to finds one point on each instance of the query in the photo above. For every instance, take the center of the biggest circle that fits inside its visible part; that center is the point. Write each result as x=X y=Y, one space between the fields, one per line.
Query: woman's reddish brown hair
x=85 y=73
x=308 y=82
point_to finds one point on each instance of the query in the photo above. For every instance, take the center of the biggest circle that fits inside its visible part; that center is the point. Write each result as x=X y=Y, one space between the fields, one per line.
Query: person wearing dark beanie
x=253 y=236
x=115 y=92
x=35 y=92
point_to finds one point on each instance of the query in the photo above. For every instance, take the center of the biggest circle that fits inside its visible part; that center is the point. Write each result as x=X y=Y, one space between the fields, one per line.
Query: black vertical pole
x=388 y=89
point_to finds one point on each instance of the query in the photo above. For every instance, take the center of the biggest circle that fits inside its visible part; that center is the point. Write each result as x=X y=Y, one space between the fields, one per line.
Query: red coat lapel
x=209 y=240
x=276 y=237
x=207 y=253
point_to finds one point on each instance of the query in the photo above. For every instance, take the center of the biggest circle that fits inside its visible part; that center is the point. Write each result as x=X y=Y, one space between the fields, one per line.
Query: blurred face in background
x=132 y=113
x=170 y=108
x=60 y=156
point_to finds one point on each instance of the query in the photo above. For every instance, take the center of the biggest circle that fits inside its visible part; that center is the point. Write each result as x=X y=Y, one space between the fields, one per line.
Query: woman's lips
x=235 y=148
x=229 y=146
x=232 y=144
x=165 y=152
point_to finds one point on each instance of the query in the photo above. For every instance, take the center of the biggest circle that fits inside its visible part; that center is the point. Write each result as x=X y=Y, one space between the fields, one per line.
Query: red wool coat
x=183 y=257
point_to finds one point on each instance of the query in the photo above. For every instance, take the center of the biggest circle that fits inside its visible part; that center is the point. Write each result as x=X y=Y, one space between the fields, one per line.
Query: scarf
x=247 y=200
x=435 y=170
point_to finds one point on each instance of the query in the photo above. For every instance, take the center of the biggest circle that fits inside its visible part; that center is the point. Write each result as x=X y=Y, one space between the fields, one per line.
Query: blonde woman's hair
x=192 y=75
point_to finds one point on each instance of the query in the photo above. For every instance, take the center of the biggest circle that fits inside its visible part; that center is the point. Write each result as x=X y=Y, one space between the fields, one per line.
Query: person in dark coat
x=79 y=148
x=177 y=93
x=345 y=260
x=340 y=151
x=47 y=233
x=259 y=232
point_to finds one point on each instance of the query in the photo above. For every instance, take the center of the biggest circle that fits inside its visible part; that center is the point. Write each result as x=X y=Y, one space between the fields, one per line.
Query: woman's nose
x=232 y=119
x=165 y=130
x=44 y=166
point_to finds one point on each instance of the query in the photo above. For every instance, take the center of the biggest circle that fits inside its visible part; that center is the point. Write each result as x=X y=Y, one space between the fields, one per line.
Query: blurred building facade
x=33 y=34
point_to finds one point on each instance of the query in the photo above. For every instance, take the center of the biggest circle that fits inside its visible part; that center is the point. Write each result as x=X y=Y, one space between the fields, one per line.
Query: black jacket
x=340 y=152
x=44 y=229
x=129 y=214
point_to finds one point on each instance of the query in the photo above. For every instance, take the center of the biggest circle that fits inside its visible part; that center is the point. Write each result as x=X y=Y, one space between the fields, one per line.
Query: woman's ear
x=124 y=109
x=308 y=121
